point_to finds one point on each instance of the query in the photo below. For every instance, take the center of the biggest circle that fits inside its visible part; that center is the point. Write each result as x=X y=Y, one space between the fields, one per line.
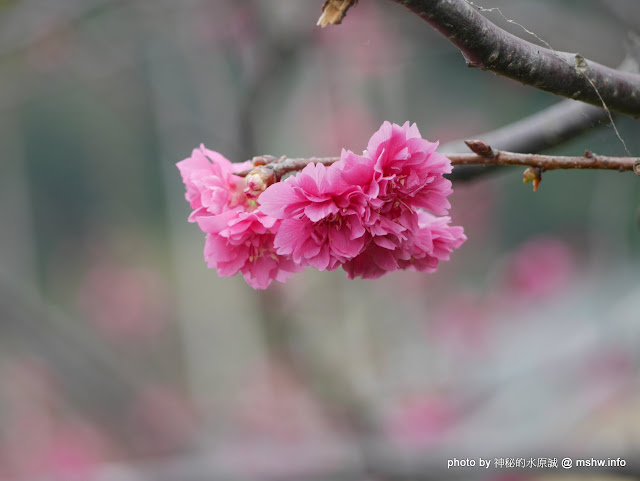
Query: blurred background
x=123 y=358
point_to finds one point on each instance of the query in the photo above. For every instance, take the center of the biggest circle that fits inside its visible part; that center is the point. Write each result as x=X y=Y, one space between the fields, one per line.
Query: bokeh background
x=123 y=358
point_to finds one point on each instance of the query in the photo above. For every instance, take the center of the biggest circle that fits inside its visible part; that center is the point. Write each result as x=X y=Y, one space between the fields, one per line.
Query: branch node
x=636 y=167
x=262 y=160
x=480 y=147
x=581 y=64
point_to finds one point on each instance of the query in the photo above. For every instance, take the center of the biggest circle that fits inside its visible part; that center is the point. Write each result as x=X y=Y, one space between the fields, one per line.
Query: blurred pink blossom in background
x=124 y=303
x=162 y=420
x=420 y=421
x=539 y=268
x=41 y=438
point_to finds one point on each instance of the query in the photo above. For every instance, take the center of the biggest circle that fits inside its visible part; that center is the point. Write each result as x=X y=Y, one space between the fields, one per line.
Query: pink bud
x=258 y=180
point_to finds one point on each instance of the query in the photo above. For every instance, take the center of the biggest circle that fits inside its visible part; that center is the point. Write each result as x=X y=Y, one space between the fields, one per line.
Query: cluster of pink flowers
x=240 y=238
x=365 y=213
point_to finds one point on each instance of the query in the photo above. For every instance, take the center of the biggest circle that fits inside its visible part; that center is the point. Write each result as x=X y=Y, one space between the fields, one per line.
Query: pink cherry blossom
x=211 y=186
x=421 y=251
x=240 y=241
x=367 y=213
x=434 y=242
x=401 y=174
x=322 y=217
x=239 y=238
x=408 y=169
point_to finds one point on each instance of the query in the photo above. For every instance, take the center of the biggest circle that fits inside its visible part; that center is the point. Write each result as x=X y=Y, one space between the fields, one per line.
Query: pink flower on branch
x=322 y=216
x=408 y=169
x=367 y=213
x=212 y=187
x=422 y=251
x=239 y=238
x=434 y=242
x=239 y=241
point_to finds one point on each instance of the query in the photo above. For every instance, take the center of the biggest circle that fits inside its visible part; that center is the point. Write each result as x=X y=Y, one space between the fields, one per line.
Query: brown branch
x=540 y=131
x=488 y=47
x=545 y=162
x=543 y=130
x=285 y=165
x=482 y=154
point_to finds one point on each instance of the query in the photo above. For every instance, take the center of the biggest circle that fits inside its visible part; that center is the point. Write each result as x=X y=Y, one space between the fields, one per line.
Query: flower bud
x=257 y=180
x=532 y=174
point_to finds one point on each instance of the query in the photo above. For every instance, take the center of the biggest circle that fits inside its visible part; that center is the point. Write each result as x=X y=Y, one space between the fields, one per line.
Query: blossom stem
x=284 y=165
x=487 y=156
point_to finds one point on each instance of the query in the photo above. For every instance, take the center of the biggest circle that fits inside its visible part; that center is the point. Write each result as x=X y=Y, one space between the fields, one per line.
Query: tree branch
x=488 y=47
x=482 y=154
x=540 y=131
x=543 y=130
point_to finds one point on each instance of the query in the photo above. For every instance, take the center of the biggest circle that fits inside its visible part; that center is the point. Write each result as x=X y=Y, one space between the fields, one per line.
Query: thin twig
x=543 y=130
x=546 y=162
x=488 y=47
x=540 y=131
x=283 y=165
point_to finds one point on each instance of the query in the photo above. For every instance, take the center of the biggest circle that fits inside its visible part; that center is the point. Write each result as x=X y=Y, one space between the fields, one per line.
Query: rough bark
x=489 y=47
